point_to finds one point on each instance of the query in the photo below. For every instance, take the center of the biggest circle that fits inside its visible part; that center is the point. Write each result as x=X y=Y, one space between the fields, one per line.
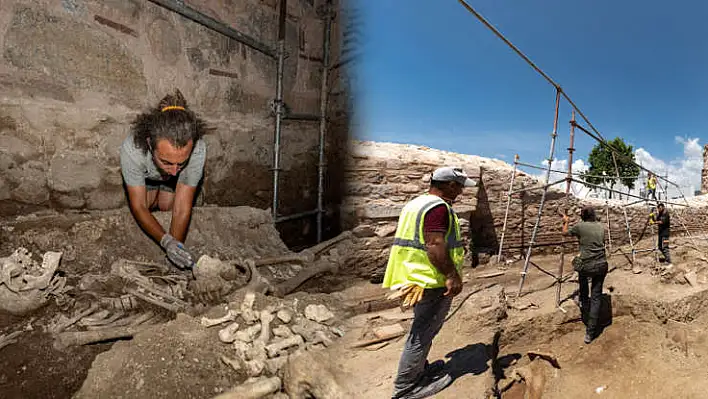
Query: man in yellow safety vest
x=424 y=267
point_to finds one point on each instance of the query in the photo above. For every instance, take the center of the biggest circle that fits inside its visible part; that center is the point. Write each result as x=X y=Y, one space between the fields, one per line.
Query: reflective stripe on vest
x=408 y=261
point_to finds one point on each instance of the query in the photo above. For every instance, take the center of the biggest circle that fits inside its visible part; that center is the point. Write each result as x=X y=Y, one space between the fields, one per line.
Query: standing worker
x=651 y=186
x=591 y=267
x=663 y=220
x=424 y=268
x=162 y=162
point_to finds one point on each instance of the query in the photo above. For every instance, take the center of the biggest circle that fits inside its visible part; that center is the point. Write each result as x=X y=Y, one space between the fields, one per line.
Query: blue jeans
x=428 y=318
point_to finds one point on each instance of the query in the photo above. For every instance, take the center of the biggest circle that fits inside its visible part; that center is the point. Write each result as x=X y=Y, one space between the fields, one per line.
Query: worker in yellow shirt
x=651 y=186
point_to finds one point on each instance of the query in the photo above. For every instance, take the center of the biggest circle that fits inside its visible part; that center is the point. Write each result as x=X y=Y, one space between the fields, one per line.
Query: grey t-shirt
x=137 y=166
x=591 y=237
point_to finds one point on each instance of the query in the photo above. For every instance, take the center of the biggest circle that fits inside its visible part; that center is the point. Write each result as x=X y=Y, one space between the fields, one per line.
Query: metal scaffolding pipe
x=544 y=187
x=614 y=151
x=279 y=111
x=184 y=10
x=301 y=117
x=562 y=171
x=619 y=192
x=324 y=91
x=295 y=216
x=609 y=227
x=624 y=209
x=508 y=203
x=597 y=136
x=569 y=181
x=635 y=202
x=543 y=196
x=545 y=244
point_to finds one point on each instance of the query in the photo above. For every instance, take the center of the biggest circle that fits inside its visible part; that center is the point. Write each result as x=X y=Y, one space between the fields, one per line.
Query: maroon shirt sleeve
x=437 y=220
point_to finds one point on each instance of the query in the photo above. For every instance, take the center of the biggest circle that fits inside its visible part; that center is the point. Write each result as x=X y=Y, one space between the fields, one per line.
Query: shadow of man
x=605 y=317
x=471 y=359
x=476 y=359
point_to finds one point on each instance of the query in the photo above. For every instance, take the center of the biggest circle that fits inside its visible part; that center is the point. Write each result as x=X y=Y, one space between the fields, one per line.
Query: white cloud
x=562 y=165
x=684 y=171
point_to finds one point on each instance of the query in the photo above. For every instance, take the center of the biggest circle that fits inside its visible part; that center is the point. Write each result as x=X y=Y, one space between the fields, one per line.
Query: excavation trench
x=119 y=286
x=647 y=348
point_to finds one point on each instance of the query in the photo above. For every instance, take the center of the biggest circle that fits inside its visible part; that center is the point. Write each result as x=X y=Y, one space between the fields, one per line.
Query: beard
x=163 y=174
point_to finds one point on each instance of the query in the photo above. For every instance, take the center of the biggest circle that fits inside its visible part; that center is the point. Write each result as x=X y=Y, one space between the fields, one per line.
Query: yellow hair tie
x=170 y=107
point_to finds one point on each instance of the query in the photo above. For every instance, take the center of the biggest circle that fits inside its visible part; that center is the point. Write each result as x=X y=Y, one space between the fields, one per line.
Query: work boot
x=431 y=369
x=588 y=338
x=424 y=390
x=589 y=334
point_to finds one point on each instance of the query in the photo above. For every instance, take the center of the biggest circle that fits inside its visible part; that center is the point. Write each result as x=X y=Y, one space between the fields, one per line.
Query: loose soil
x=653 y=348
x=91 y=242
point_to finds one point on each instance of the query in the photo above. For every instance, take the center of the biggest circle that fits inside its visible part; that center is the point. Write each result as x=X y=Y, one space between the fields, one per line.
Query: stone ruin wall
x=73 y=74
x=382 y=177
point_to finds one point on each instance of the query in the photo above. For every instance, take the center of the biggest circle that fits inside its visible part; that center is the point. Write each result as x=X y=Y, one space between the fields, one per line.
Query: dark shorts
x=165 y=185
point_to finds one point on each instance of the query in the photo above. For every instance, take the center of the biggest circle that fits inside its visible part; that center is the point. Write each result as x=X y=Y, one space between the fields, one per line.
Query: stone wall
x=74 y=73
x=524 y=207
x=382 y=177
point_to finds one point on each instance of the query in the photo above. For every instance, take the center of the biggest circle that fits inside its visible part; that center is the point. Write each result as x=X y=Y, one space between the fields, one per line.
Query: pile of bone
x=264 y=340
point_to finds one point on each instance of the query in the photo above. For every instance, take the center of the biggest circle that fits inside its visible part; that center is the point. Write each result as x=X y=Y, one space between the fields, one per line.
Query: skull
x=26 y=285
x=214 y=279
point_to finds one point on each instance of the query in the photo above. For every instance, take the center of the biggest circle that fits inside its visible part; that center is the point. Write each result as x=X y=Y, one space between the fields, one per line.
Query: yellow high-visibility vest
x=408 y=261
x=651 y=183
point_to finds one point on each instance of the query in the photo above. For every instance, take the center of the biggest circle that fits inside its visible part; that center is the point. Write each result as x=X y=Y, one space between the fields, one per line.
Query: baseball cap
x=451 y=173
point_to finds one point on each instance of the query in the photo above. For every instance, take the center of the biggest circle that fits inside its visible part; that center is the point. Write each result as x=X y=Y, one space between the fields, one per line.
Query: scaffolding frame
x=559 y=277
x=595 y=134
x=278 y=106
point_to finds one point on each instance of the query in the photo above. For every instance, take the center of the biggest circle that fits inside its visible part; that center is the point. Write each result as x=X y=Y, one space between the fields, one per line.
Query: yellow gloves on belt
x=410 y=293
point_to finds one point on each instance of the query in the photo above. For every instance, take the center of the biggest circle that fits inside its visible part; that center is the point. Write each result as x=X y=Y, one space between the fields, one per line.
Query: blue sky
x=430 y=73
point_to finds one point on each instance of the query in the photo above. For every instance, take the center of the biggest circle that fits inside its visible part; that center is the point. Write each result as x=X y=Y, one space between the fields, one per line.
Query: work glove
x=411 y=294
x=176 y=252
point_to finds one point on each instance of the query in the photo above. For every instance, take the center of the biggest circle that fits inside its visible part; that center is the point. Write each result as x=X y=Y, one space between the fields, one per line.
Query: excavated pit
x=33 y=362
x=522 y=348
x=652 y=342
x=497 y=345
x=651 y=349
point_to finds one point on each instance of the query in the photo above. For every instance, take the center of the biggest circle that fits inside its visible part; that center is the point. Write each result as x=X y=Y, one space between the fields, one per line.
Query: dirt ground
x=91 y=242
x=653 y=348
x=32 y=368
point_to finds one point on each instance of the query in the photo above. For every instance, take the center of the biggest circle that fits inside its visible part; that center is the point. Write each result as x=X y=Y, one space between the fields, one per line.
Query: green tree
x=600 y=160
